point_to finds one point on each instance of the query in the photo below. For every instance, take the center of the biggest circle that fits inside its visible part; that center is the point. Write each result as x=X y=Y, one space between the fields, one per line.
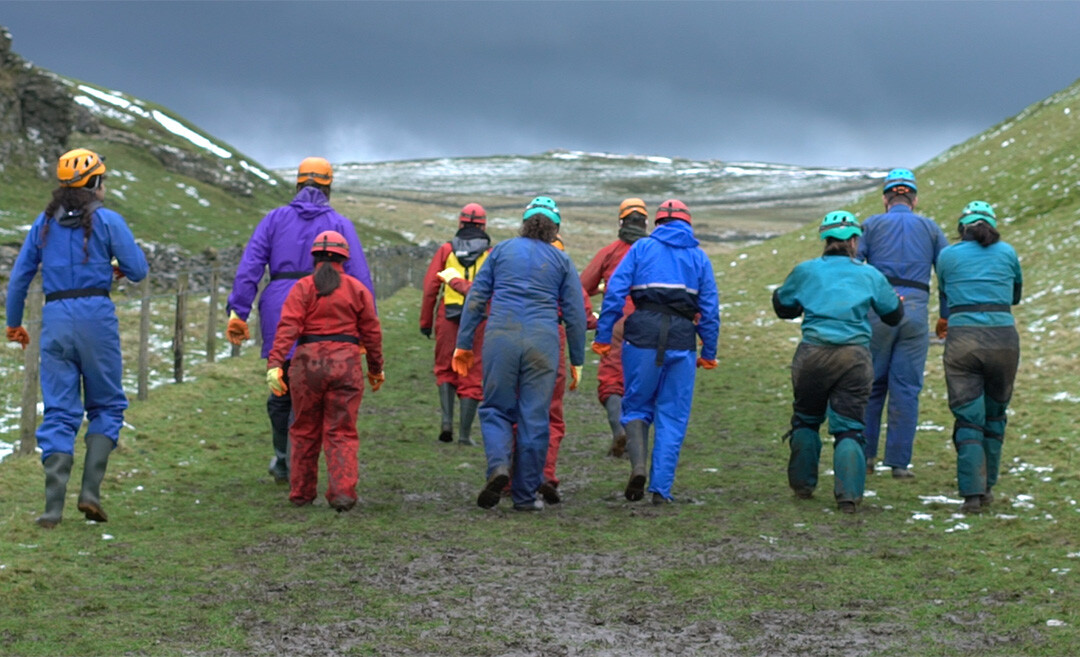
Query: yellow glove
x=117 y=274
x=575 y=376
x=462 y=362
x=376 y=380
x=237 y=330
x=276 y=382
x=18 y=334
x=448 y=274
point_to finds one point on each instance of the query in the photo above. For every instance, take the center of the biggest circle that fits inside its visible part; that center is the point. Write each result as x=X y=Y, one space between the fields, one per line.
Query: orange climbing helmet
x=315 y=169
x=76 y=168
x=632 y=205
x=473 y=213
x=330 y=241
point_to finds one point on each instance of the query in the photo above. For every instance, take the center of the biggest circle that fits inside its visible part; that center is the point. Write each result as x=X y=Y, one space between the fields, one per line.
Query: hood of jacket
x=310 y=203
x=73 y=218
x=675 y=233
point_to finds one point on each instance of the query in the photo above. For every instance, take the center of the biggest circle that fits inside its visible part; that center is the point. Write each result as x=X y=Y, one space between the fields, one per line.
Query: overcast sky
x=878 y=84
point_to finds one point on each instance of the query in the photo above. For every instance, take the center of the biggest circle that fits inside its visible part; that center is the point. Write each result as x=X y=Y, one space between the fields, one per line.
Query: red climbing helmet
x=473 y=213
x=330 y=241
x=672 y=209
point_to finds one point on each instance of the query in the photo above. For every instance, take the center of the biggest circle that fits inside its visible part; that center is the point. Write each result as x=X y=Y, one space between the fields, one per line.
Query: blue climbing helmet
x=900 y=178
x=839 y=225
x=978 y=211
x=542 y=205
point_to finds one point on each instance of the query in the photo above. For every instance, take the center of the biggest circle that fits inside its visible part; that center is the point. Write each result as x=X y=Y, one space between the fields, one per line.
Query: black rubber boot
x=492 y=492
x=57 y=472
x=468 y=413
x=613 y=406
x=280 y=411
x=447 y=397
x=98 y=448
x=637 y=437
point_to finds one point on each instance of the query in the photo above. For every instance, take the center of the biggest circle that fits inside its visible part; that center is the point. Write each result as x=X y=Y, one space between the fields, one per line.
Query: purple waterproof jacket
x=283 y=241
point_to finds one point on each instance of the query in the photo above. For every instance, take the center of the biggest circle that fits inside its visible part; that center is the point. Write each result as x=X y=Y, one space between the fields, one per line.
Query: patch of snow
x=258 y=172
x=180 y=130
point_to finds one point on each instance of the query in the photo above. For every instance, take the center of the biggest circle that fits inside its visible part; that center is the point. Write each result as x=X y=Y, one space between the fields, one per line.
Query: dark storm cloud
x=840 y=84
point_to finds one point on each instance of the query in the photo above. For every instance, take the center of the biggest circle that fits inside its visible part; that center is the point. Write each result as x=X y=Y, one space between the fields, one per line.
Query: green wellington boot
x=98 y=448
x=447 y=397
x=637 y=438
x=468 y=413
x=57 y=472
x=613 y=406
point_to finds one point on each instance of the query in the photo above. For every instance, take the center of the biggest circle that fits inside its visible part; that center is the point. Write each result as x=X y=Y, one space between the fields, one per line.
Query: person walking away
x=981 y=279
x=832 y=370
x=633 y=225
x=281 y=243
x=447 y=281
x=327 y=316
x=74 y=242
x=671 y=283
x=528 y=283
x=903 y=246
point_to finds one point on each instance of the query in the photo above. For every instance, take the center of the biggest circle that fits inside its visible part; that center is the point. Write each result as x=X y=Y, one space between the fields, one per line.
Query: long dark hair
x=539 y=227
x=327 y=279
x=834 y=246
x=325 y=189
x=978 y=231
x=73 y=200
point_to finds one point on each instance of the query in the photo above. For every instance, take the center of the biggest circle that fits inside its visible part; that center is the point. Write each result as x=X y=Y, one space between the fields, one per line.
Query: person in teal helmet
x=981 y=280
x=832 y=370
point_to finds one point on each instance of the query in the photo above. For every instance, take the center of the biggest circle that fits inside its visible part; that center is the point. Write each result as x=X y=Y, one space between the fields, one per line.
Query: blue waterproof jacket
x=903 y=246
x=836 y=294
x=64 y=263
x=970 y=274
x=665 y=274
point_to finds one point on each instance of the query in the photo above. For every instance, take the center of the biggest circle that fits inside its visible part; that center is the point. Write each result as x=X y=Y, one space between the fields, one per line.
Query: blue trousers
x=899 y=355
x=81 y=372
x=519 y=378
x=660 y=395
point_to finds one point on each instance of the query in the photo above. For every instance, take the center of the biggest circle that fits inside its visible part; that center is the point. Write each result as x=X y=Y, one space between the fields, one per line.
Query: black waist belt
x=75 y=294
x=336 y=337
x=289 y=274
x=665 y=324
x=981 y=308
x=906 y=282
x=663 y=309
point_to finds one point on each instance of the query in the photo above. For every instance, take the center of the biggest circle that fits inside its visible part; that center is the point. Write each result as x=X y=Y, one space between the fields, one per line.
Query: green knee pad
x=803 y=462
x=849 y=468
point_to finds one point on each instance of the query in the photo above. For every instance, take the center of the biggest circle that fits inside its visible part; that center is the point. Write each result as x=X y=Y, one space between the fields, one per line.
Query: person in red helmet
x=448 y=279
x=328 y=316
x=633 y=225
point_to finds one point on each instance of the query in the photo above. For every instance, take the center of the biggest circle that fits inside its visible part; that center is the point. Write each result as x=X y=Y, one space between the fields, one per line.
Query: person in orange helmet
x=328 y=316
x=448 y=279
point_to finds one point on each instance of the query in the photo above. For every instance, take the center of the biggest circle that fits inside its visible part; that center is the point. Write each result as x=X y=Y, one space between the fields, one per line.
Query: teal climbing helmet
x=978 y=211
x=542 y=205
x=839 y=225
x=900 y=177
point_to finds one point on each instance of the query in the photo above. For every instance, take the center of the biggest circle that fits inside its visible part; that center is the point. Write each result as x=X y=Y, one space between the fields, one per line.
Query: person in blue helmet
x=671 y=282
x=832 y=370
x=904 y=246
x=74 y=242
x=528 y=282
x=981 y=280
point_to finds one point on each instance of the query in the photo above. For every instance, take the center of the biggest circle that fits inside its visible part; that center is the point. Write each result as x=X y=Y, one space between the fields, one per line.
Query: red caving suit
x=609 y=374
x=446 y=330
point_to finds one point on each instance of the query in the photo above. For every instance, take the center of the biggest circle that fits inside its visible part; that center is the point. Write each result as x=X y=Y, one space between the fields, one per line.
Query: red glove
x=376 y=380
x=707 y=364
x=18 y=334
x=942 y=328
x=463 y=361
x=237 y=330
x=601 y=348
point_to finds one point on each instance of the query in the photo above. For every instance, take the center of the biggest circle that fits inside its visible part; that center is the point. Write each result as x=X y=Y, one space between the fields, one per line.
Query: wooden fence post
x=211 y=319
x=32 y=322
x=144 y=341
x=178 y=328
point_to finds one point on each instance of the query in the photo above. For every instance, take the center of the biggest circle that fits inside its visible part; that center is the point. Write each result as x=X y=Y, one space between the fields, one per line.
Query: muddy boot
x=972 y=504
x=549 y=490
x=468 y=413
x=57 y=472
x=637 y=433
x=98 y=448
x=613 y=405
x=447 y=397
x=492 y=492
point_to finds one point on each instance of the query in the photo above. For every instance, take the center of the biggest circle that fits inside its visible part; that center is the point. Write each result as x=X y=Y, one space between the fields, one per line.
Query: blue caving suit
x=832 y=371
x=903 y=246
x=982 y=353
x=80 y=334
x=671 y=282
x=528 y=283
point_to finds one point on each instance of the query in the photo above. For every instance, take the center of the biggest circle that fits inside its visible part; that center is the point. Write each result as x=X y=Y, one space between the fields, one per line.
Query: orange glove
x=376 y=380
x=601 y=348
x=237 y=330
x=276 y=382
x=942 y=328
x=575 y=376
x=707 y=364
x=463 y=361
x=18 y=334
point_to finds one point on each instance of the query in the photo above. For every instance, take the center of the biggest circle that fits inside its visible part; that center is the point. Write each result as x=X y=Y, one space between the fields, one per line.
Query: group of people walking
x=504 y=320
